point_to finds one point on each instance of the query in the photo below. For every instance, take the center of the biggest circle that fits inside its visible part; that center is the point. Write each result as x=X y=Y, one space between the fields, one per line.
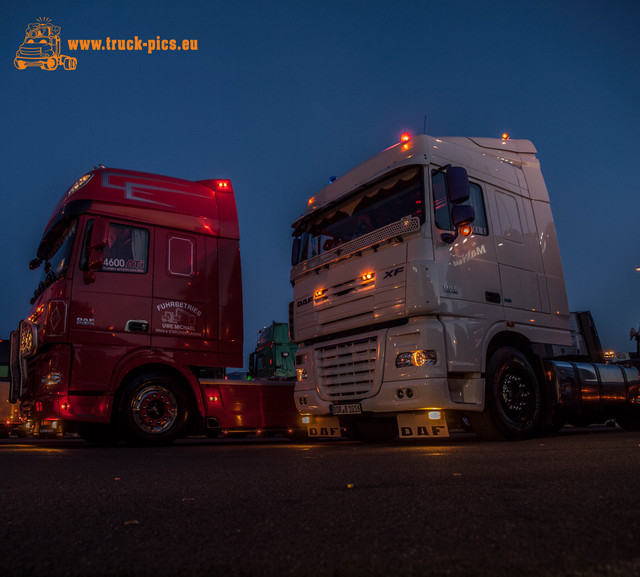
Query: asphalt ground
x=562 y=505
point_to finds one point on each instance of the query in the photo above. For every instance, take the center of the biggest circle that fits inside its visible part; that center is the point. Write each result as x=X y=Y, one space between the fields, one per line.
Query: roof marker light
x=505 y=136
x=405 y=139
x=223 y=186
x=79 y=183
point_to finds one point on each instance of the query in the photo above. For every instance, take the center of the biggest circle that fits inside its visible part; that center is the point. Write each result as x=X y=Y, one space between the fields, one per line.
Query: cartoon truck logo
x=41 y=47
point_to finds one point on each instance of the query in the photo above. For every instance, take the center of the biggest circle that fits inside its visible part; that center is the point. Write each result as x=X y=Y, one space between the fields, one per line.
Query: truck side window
x=442 y=208
x=127 y=249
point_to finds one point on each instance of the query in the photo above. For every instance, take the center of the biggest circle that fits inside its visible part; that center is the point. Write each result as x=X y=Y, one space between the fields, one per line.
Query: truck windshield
x=388 y=201
x=55 y=250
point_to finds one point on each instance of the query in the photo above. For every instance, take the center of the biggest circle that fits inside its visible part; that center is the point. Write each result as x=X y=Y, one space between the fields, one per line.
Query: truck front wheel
x=153 y=410
x=513 y=400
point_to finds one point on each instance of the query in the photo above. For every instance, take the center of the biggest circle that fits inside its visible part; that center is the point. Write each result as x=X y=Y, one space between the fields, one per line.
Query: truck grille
x=347 y=370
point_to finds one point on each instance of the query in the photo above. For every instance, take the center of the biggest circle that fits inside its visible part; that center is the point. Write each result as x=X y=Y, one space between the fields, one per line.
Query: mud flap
x=324 y=427
x=422 y=425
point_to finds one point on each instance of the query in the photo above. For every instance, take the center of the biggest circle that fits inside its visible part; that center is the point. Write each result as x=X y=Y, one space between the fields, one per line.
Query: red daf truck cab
x=138 y=313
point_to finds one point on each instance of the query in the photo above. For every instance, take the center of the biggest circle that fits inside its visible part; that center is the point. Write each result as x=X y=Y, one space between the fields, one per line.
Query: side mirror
x=457 y=184
x=98 y=239
x=99 y=234
x=462 y=214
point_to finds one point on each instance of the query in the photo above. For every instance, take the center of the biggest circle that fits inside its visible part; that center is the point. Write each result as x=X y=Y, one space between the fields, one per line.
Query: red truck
x=138 y=314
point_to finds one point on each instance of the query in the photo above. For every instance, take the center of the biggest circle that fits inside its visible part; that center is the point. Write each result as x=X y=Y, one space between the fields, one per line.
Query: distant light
x=505 y=136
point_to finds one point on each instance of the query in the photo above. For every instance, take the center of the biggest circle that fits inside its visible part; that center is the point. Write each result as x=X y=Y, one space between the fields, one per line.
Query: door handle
x=136 y=326
x=492 y=297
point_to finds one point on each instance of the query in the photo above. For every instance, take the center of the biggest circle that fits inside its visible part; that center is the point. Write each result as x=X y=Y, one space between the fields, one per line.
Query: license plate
x=347 y=409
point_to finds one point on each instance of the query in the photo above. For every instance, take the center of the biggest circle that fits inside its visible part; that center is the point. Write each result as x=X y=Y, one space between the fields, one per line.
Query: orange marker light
x=465 y=230
x=405 y=137
x=505 y=136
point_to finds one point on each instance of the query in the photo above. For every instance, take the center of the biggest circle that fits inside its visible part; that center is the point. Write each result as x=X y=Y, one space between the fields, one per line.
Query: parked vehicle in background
x=274 y=355
x=428 y=287
x=10 y=421
x=138 y=314
x=5 y=406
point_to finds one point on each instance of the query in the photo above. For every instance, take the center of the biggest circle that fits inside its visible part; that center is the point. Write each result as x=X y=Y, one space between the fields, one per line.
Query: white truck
x=428 y=287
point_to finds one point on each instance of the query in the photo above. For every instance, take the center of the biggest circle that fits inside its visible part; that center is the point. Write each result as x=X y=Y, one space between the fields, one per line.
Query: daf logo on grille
x=305 y=301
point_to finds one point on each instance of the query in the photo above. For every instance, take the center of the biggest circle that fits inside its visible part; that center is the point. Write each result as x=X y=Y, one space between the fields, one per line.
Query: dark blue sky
x=281 y=95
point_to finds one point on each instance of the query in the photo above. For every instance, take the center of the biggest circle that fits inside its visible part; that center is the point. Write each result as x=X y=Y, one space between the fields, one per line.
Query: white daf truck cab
x=428 y=286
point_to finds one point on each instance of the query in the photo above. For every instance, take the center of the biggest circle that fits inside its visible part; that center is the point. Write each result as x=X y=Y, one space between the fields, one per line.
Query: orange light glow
x=405 y=137
x=466 y=230
x=367 y=276
x=223 y=186
x=318 y=293
x=311 y=201
x=505 y=136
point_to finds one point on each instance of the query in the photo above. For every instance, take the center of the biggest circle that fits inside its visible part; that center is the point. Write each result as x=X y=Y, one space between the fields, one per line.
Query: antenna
x=424 y=130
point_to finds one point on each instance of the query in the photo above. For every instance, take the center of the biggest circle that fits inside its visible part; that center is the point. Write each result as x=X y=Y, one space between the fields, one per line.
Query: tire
x=513 y=399
x=154 y=410
x=69 y=63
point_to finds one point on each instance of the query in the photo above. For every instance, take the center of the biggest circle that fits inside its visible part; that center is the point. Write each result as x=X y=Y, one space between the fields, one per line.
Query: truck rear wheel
x=513 y=400
x=153 y=410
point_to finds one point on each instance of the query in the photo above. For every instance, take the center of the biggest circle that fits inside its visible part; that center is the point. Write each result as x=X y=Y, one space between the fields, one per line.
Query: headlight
x=416 y=359
x=302 y=374
x=28 y=339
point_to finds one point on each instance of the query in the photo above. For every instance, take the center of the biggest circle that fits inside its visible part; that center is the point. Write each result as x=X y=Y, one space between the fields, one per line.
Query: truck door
x=110 y=311
x=522 y=278
x=184 y=282
x=469 y=281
